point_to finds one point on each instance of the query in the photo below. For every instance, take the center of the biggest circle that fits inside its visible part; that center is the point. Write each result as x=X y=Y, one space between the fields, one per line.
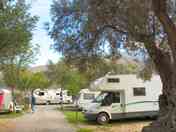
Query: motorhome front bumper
x=90 y=116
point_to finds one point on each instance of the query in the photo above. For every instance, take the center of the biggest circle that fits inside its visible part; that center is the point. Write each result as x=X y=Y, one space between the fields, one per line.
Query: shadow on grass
x=132 y=120
x=75 y=116
x=68 y=108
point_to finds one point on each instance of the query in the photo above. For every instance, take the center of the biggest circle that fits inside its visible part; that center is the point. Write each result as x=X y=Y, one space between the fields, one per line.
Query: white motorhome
x=66 y=97
x=6 y=101
x=52 y=96
x=124 y=96
x=85 y=97
x=41 y=96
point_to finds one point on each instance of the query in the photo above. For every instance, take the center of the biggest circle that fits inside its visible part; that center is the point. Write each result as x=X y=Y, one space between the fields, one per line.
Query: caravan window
x=57 y=93
x=88 y=96
x=113 y=80
x=1 y=93
x=140 y=91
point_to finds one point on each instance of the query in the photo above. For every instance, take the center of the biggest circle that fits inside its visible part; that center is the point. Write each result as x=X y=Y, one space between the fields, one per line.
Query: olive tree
x=83 y=28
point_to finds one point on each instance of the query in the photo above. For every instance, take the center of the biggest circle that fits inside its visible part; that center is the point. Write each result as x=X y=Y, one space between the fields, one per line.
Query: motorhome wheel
x=102 y=118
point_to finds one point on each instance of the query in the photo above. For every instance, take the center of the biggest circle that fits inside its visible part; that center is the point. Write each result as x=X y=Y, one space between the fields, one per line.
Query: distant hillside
x=128 y=60
x=42 y=68
x=122 y=60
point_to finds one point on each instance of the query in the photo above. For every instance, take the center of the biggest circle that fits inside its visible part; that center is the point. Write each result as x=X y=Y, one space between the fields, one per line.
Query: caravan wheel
x=102 y=118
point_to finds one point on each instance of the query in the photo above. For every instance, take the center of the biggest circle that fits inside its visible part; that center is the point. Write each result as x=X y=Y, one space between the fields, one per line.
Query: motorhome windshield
x=41 y=93
x=89 y=96
x=100 y=98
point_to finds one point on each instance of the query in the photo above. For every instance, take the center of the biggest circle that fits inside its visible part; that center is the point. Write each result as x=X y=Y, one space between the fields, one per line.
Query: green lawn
x=85 y=130
x=74 y=117
x=10 y=115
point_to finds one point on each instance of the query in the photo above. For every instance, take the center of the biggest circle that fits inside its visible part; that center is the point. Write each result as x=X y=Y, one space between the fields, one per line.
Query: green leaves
x=23 y=79
x=16 y=26
x=66 y=77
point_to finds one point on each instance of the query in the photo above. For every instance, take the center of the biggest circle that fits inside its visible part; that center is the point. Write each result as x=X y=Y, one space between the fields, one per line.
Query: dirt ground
x=45 y=119
x=5 y=125
x=119 y=126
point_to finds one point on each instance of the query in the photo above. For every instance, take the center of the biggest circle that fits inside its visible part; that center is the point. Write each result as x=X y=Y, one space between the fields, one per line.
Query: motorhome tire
x=103 y=118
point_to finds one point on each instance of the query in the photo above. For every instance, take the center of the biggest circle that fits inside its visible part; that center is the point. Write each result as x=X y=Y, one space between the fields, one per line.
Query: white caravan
x=124 y=96
x=51 y=96
x=85 y=97
x=6 y=101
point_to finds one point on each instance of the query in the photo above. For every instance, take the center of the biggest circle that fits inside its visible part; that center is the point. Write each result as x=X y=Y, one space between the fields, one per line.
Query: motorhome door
x=117 y=105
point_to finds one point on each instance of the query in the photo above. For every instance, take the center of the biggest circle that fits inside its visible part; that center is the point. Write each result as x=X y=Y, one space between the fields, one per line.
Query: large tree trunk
x=166 y=121
x=165 y=64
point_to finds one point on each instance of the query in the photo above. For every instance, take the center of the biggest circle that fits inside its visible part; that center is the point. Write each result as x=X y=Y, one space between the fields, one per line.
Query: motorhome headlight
x=91 y=110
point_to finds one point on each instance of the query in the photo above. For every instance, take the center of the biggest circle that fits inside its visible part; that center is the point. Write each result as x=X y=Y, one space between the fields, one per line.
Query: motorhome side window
x=113 y=80
x=116 y=97
x=139 y=91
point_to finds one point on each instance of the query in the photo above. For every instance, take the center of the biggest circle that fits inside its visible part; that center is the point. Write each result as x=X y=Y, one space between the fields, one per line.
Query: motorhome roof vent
x=113 y=80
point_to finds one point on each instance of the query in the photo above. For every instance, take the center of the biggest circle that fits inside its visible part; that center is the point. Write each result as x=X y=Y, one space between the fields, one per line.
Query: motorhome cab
x=85 y=97
x=6 y=101
x=124 y=96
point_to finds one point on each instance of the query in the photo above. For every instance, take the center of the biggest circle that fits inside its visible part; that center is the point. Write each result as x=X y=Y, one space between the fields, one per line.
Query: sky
x=41 y=8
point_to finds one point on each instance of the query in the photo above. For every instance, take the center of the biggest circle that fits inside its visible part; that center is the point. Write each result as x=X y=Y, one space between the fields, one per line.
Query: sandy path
x=45 y=119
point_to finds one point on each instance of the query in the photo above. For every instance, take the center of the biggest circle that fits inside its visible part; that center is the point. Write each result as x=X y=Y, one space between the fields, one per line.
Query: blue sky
x=41 y=8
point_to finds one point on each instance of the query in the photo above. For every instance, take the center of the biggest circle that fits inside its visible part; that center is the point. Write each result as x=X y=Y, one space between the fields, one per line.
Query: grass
x=74 y=117
x=83 y=125
x=10 y=115
x=84 y=130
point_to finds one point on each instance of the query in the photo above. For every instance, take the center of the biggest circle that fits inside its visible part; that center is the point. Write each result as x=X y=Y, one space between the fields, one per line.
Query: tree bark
x=165 y=63
x=166 y=121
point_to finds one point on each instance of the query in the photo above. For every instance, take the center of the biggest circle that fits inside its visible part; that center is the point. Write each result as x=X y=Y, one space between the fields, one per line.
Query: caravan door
x=117 y=107
x=1 y=100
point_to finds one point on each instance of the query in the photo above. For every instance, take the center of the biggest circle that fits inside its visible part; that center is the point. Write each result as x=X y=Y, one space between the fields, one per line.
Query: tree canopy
x=16 y=50
x=66 y=77
x=86 y=28
x=16 y=26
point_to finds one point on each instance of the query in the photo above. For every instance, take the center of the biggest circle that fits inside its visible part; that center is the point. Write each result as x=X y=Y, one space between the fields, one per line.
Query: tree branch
x=160 y=9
